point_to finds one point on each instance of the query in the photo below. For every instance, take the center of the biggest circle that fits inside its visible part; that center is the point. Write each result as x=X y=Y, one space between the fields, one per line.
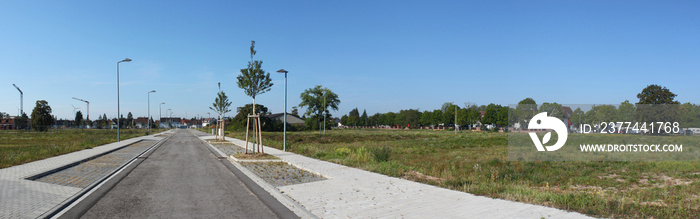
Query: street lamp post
x=149 y=110
x=325 y=114
x=21 y=100
x=160 y=118
x=284 y=140
x=118 y=112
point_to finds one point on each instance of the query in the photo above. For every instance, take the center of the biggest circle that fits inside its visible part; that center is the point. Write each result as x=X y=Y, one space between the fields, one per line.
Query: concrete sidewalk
x=23 y=198
x=355 y=193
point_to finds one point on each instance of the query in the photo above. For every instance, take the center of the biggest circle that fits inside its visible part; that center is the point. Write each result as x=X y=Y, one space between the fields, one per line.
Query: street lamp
x=149 y=110
x=118 y=112
x=284 y=144
x=325 y=114
x=160 y=119
x=21 y=100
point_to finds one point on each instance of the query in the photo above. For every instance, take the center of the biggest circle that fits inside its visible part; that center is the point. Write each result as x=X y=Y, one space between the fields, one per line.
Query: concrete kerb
x=287 y=201
x=79 y=203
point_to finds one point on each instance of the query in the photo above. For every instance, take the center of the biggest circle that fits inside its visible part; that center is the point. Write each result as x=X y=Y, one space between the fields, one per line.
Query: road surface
x=181 y=179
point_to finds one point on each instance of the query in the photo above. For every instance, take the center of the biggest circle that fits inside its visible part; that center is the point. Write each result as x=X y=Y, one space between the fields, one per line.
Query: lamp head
x=153 y=91
x=282 y=71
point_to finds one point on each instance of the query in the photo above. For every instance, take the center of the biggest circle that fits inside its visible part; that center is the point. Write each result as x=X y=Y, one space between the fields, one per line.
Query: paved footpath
x=355 y=193
x=181 y=179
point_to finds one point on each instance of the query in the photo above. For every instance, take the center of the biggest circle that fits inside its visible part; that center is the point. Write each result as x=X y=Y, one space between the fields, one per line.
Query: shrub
x=381 y=154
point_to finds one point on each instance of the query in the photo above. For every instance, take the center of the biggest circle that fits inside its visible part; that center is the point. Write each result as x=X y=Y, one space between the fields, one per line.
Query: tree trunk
x=254 y=133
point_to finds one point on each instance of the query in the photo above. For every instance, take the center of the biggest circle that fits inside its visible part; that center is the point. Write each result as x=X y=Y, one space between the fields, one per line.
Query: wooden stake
x=247 y=127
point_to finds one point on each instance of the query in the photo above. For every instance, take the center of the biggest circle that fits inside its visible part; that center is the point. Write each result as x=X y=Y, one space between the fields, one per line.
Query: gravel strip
x=280 y=173
x=229 y=148
x=88 y=172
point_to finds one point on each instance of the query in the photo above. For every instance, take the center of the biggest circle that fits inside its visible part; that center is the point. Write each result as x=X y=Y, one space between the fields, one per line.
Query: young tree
x=41 y=116
x=254 y=80
x=221 y=106
x=313 y=100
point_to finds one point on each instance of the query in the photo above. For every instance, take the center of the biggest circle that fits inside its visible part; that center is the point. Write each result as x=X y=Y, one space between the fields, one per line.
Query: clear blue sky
x=376 y=55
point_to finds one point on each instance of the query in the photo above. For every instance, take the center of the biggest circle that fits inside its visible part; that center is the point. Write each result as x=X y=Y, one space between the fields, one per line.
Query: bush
x=381 y=154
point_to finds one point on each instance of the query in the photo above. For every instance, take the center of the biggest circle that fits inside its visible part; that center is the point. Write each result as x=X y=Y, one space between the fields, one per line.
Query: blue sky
x=376 y=55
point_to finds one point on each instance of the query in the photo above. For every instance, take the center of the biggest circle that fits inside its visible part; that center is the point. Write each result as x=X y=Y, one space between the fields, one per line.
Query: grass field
x=18 y=147
x=476 y=162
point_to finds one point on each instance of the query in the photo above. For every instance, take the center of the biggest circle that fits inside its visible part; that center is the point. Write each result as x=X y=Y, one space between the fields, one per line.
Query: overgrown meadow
x=18 y=147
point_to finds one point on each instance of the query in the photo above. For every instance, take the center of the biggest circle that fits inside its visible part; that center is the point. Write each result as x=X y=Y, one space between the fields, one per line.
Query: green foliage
x=387 y=118
x=655 y=94
x=625 y=112
x=578 y=117
x=353 y=118
x=601 y=113
x=689 y=115
x=656 y=104
x=239 y=121
x=22 y=122
x=78 y=118
x=552 y=109
x=408 y=117
x=41 y=116
x=426 y=119
x=221 y=104
x=381 y=154
x=363 y=118
x=313 y=100
x=295 y=111
x=254 y=80
x=526 y=109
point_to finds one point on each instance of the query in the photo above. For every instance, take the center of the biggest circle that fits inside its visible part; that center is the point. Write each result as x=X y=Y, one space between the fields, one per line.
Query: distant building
x=168 y=122
x=141 y=122
x=291 y=119
x=7 y=123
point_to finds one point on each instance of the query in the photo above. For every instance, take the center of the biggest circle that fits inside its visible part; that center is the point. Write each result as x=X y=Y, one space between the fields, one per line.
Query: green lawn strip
x=477 y=163
x=19 y=147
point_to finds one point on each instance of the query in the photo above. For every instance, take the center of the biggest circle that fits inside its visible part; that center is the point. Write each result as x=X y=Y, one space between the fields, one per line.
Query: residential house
x=7 y=123
x=291 y=119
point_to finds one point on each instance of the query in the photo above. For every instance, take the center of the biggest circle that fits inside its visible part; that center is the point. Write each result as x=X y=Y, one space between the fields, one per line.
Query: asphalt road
x=181 y=179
